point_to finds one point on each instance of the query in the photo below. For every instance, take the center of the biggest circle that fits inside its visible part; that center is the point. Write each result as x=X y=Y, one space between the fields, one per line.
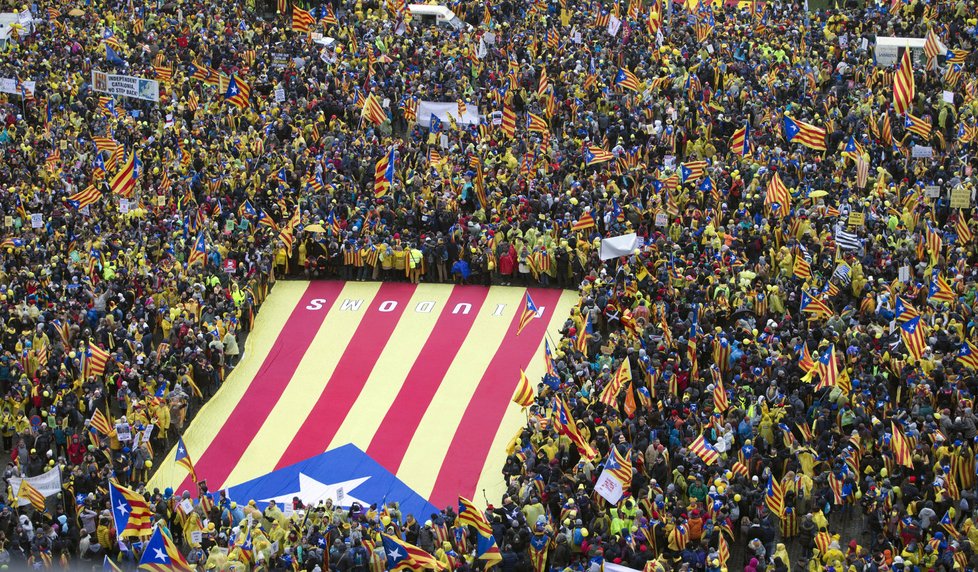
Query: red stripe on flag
x=270 y=381
x=469 y=450
x=350 y=375
x=399 y=426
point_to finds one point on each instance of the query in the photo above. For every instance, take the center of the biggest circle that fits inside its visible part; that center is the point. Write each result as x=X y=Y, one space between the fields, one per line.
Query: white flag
x=47 y=484
x=616 y=246
x=609 y=487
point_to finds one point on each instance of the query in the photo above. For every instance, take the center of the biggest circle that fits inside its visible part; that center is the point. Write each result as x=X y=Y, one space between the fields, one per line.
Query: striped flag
x=627 y=80
x=962 y=229
x=132 y=515
x=720 y=401
x=777 y=193
x=968 y=355
x=161 y=554
x=536 y=124
x=302 y=20
x=940 y=290
x=287 y=234
x=524 y=392
x=917 y=125
x=805 y=361
x=935 y=244
x=723 y=551
x=238 y=92
x=740 y=141
x=828 y=369
x=704 y=450
x=903 y=84
x=692 y=170
x=609 y=395
x=384 y=174
x=585 y=222
x=913 y=337
x=100 y=423
x=847 y=240
x=183 y=459
x=958 y=56
x=544 y=83
x=95 y=360
x=565 y=422
x=468 y=515
x=123 y=183
x=198 y=253
x=862 y=172
x=774 y=496
x=620 y=467
x=932 y=48
x=402 y=555
x=797 y=131
x=815 y=306
x=529 y=312
x=373 y=111
x=29 y=493
x=109 y=566
x=900 y=447
x=596 y=155
x=89 y=196
x=508 y=125
x=801 y=268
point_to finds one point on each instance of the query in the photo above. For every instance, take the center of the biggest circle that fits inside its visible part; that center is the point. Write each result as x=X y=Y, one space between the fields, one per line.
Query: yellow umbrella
x=76 y=12
x=314 y=228
x=817 y=194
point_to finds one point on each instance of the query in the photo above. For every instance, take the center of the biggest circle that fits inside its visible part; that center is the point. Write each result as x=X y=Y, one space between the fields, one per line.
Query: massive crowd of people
x=797 y=321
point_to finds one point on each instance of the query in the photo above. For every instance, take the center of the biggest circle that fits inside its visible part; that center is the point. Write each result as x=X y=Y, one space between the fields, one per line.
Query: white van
x=887 y=50
x=435 y=15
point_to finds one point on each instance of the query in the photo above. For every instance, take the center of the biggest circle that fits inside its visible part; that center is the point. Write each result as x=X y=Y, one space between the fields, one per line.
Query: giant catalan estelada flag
x=368 y=391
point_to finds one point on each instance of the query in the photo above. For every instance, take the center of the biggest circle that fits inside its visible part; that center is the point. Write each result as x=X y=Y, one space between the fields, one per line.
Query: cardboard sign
x=287 y=509
x=8 y=221
x=856 y=219
x=661 y=219
x=123 y=432
x=932 y=191
x=279 y=94
x=229 y=265
x=904 y=274
x=922 y=152
x=161 y=201
x=187 y=506
x=123 y=206
x=948 y=96
x=960 y=198
x=37 y=220
x=196 y=536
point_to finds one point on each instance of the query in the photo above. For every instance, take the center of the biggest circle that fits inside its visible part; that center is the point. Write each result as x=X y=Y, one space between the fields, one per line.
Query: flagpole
x=64 y=505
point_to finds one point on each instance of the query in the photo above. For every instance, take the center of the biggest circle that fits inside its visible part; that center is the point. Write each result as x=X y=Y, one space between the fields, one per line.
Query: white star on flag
x=312 y=491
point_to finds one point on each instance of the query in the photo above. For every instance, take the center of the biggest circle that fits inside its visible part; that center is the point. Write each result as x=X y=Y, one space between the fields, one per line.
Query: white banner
x=443 y=110
x=47 y=484
x=9 y=85
x=126 y=85
x=609 y=487
x=616 y=246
